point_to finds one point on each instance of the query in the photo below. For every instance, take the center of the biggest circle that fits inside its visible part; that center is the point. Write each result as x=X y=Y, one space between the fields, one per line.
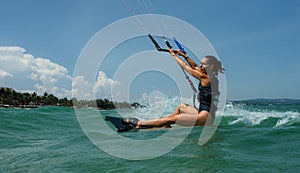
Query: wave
x=254 y=114
x=260 y=115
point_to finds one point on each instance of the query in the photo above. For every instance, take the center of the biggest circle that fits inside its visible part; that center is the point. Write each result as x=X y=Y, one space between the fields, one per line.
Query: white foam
x=243 y=114
x=287 y=118
x=257 y=116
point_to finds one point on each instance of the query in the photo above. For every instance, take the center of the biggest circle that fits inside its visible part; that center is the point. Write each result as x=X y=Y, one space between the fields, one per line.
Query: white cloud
x=81 y=88
x=86 y=90
x=25 y=72
x=103 y=84
x=4 y=74
x=32 y=73
x=11 y=49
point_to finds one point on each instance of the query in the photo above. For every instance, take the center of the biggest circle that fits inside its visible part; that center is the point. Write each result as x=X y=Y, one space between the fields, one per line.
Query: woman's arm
x=189 y=60
x=193 y=71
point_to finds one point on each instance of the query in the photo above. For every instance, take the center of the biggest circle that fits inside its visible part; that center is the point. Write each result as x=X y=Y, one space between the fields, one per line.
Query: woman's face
x=205 y=66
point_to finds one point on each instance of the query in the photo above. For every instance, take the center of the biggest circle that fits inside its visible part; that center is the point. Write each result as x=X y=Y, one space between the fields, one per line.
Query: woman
x=185 y=115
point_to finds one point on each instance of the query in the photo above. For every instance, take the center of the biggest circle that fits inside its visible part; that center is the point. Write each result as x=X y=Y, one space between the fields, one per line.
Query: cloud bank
x=25 y=72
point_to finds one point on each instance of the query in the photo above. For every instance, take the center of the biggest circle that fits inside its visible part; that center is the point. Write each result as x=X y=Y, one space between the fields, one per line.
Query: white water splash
x=257 y=116
x=288 y=118
x=158 y=105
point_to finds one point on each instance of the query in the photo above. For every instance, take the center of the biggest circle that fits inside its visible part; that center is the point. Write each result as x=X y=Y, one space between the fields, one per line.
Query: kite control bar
x=167 y=43
x=179 y=45
x=156 y=44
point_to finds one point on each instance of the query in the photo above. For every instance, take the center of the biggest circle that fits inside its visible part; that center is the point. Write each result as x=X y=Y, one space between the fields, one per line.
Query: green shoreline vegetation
x=10 y=98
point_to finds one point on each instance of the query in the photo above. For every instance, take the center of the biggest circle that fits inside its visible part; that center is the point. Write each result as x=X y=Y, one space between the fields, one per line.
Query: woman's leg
x=181 y=111
x=198 y=119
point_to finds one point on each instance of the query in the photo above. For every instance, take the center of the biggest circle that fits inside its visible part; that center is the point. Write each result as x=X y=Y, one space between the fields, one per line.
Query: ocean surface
x=252 y=137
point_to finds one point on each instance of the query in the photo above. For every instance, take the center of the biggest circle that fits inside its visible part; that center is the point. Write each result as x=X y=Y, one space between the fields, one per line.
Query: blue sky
x=257 y=41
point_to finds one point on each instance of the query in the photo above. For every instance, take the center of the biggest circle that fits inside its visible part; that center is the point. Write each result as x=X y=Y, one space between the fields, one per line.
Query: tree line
x=11 y=98
x=105 y=104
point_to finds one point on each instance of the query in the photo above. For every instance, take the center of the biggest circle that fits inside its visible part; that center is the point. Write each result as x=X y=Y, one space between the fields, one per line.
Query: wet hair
x=217 y=64
x=214 y=82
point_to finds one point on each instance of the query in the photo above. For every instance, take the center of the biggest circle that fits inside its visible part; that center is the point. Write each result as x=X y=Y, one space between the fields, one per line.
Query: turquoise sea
x=252 y=137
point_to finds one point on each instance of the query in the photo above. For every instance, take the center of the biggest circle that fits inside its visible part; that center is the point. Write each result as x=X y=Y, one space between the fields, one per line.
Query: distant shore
x=19 y=106
x=9 y=98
